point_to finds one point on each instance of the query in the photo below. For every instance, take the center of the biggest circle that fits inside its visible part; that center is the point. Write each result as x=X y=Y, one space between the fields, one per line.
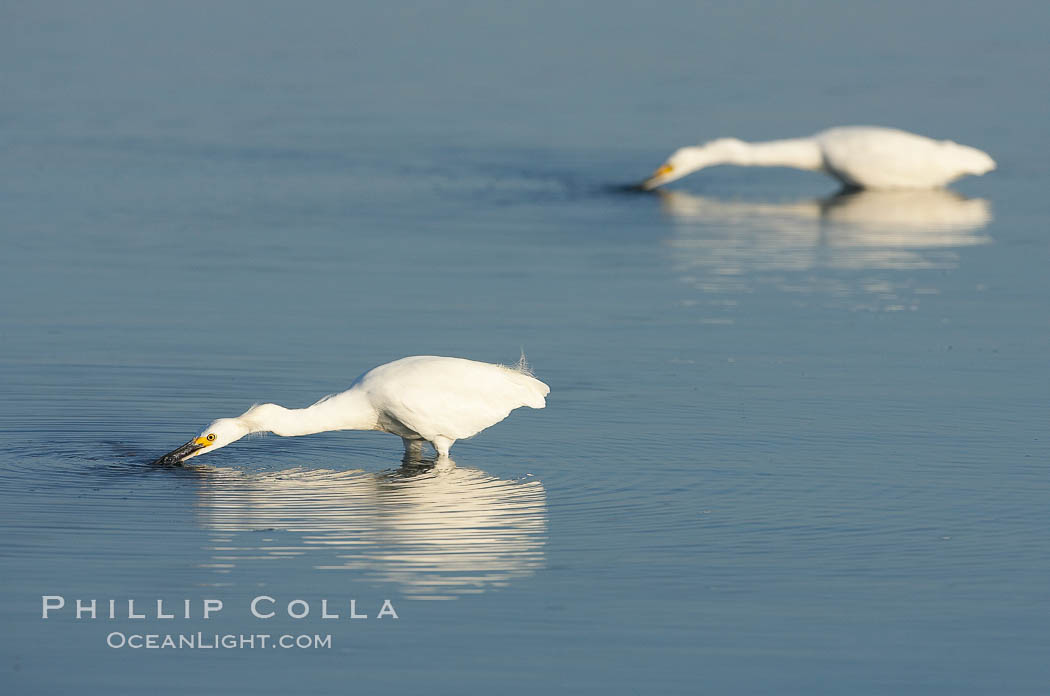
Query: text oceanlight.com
x=212 y=641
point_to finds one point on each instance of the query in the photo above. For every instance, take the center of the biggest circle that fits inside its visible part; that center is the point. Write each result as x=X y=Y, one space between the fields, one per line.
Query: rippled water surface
x=796 y=440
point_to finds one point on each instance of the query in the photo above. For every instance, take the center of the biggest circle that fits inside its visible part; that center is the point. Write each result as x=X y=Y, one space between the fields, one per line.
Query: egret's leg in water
x=413 y=449
x=442 y=445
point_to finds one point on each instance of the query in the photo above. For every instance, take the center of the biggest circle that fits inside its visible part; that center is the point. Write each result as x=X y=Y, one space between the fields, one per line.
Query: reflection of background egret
x=725 y=245
x=435 y=532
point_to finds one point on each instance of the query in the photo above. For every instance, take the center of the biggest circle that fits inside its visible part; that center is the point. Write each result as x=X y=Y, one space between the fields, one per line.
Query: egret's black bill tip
x=177 y=456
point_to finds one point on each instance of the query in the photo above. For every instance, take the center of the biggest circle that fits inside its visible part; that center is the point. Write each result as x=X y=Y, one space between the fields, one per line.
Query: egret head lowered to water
x=866 y=157
x=421 y=398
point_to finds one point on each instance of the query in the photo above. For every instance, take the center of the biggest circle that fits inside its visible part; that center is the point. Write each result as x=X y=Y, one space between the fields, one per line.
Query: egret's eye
x=211 y=437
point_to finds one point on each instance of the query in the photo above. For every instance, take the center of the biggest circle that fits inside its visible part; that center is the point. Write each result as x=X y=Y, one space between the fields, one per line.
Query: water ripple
x=435 y=532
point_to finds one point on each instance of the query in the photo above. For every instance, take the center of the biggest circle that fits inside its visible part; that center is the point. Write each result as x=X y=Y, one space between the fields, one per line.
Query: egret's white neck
x=350 y=410
x=799 y=153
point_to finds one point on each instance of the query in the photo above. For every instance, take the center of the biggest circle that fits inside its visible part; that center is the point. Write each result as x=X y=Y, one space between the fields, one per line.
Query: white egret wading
x=421 y=398
x=866 y=157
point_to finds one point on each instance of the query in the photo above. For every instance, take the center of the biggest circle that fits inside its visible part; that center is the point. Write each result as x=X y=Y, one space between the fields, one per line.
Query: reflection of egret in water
x=732 y=246
x=436 y=532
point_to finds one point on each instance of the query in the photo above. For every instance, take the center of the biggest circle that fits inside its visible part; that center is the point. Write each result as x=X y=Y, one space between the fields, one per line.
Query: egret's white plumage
x=867 y=157
x=421 y=398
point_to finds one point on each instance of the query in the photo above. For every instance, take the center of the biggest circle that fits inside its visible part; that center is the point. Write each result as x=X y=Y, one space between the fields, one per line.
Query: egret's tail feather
x=522 y=365
x=532 y=390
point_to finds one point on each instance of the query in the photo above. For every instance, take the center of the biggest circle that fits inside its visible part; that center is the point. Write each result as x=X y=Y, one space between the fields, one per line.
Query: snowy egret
x=866 y=157
x=421 y=398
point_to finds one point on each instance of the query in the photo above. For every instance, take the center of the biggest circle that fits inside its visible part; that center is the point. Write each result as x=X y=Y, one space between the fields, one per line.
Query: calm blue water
x=796 y=443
